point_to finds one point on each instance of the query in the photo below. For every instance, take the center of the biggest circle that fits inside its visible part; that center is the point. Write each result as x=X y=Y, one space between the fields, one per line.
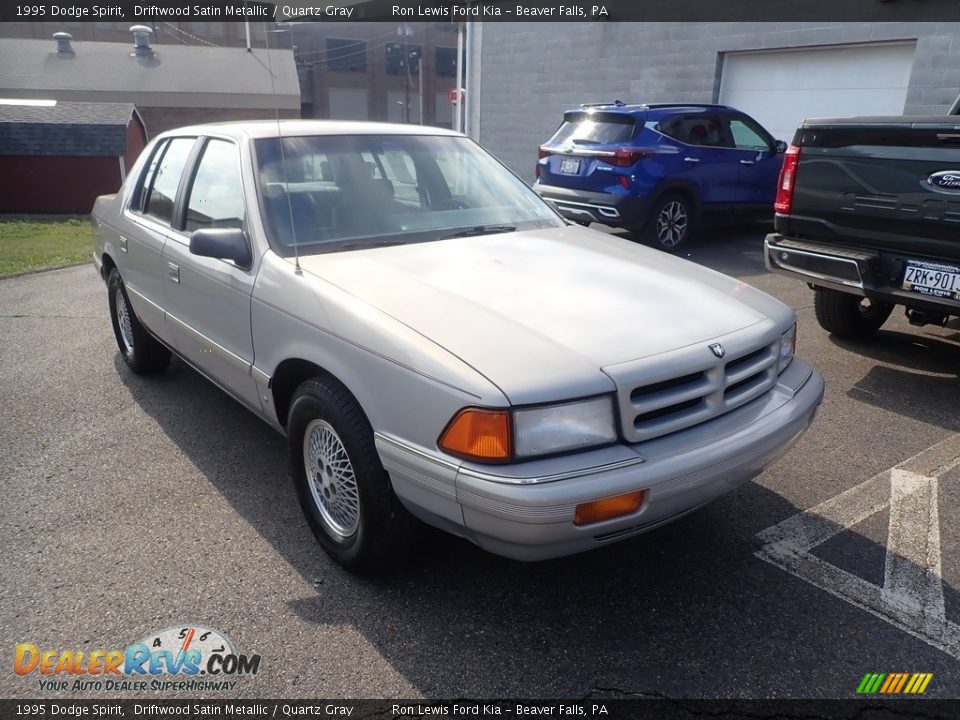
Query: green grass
x=27 y=245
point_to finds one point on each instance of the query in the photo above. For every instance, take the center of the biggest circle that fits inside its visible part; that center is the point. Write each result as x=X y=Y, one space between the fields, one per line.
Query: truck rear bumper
x=876 y=274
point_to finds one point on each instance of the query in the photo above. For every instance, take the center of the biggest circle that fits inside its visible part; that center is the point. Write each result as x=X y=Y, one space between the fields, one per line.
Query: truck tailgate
x=885 y=183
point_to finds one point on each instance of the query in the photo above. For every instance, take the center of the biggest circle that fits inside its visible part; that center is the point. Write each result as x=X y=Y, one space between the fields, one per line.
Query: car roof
x=255 y=129
x=651 y=111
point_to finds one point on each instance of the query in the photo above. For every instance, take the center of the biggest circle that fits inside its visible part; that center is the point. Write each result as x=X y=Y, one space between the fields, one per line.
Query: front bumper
x=530 y=516
x=605 y=208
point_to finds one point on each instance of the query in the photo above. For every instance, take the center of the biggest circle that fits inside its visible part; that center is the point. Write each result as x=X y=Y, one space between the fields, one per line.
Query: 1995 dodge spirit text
x=435 y=341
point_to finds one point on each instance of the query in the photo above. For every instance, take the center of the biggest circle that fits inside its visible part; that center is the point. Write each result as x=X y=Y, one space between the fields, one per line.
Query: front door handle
x=746 y=162
x=691 y=159
x=173 y=271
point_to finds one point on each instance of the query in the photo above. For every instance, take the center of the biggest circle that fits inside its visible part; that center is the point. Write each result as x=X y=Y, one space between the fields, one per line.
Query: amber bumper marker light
x=607 y=508
x=478 y=434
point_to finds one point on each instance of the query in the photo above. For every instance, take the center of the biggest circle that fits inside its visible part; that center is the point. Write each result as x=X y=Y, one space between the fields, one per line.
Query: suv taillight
x=625 y=157
x=542 y=152
x=788 y=178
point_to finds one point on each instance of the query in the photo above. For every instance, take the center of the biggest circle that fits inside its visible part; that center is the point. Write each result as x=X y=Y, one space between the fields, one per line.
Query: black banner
x=612 y=709
x=482 y=11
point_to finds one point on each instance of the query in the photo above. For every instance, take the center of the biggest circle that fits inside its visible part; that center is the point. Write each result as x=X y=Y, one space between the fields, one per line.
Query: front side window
x=330 y=192
x=216 y=195
x=166 y=179
x=746 y=137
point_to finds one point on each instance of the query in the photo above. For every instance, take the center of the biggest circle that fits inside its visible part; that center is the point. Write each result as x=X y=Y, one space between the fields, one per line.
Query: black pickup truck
x=868 y=214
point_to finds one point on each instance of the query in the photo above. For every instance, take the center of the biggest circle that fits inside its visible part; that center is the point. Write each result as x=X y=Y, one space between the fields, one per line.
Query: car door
x=209 y=298
x=705 y=156
x=148 y=217
x=758 y=162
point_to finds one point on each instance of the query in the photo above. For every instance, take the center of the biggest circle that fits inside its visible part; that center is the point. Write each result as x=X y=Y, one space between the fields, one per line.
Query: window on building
x=346 y=55
x=403 y=58
x=447 y=62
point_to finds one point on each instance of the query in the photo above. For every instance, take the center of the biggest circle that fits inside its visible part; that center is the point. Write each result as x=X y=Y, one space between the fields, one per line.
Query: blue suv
x=658 y=168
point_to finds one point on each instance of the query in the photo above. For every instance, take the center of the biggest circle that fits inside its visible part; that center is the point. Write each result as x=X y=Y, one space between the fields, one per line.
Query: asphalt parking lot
x=136 y=504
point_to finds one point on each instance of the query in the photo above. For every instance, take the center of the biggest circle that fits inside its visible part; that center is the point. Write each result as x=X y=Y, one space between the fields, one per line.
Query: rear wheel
x=671 y=223
x=141 y=351
x=343 y=489
x=849 y=316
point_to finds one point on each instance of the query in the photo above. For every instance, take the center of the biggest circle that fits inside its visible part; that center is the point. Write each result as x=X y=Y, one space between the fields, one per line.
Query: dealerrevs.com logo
x=187 y=657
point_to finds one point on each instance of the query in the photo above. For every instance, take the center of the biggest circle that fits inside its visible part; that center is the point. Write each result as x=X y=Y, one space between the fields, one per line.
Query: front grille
x=682 y=396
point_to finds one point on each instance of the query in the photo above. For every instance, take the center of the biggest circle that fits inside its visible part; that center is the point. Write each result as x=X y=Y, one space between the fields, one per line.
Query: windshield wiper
x=357 y=244
x=479 y=230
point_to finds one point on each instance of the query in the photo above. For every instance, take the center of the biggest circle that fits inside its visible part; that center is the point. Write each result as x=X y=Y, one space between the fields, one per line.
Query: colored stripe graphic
x=894 y=683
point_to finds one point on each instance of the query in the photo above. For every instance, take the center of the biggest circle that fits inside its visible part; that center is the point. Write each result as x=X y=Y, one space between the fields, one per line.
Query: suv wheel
x=671 y=223
x=141 y=351
x=343 y=489
x=849 y=316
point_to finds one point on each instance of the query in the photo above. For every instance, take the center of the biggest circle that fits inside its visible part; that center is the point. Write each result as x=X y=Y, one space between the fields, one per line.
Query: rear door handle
x=173 y=271
x=746 y=162
x=691 y=159
x=123 y=244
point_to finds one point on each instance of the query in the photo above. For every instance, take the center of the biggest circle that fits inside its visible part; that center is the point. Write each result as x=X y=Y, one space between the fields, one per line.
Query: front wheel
x=849 y=316
x=671 y=223
x=141 y=351
x=343 y=489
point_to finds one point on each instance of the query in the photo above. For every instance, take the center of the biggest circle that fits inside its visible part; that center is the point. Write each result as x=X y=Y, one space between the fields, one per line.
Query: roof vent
x=63 y=43
x=141 y=39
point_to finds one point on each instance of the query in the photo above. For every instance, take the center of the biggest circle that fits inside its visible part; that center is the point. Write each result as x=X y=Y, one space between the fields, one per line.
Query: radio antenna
x=283 y=157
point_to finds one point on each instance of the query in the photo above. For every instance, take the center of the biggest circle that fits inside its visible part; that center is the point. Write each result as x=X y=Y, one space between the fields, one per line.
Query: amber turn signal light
x=607 y=508
x=478 y=434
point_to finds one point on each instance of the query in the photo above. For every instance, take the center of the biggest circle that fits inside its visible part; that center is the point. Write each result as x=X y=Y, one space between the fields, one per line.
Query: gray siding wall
x=532 y=72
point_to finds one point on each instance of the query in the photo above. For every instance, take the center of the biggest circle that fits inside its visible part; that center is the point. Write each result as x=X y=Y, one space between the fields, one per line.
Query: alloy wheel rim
x=331 y=479
x=123 y=320
x=672 y=223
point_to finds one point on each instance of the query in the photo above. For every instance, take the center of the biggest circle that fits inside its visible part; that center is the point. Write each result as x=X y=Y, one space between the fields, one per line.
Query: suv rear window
x=594 y=128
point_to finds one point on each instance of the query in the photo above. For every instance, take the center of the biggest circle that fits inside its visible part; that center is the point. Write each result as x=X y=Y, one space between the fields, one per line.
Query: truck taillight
x=788 y=178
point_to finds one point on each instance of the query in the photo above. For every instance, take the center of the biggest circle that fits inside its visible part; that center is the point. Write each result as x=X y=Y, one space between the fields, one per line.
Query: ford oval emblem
x=945 y=181
x=718 y=350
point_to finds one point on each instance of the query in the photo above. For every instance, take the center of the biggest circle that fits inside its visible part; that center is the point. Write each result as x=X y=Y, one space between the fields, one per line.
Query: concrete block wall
x=532 y=72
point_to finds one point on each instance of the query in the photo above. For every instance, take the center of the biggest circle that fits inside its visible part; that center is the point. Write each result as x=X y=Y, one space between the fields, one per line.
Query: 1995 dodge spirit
x=437 y=343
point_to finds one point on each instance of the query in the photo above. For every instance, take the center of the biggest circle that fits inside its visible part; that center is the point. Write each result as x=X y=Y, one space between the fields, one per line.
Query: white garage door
x=780 y=88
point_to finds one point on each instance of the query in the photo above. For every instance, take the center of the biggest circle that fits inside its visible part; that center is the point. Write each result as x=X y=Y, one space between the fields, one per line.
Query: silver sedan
x=437 y=344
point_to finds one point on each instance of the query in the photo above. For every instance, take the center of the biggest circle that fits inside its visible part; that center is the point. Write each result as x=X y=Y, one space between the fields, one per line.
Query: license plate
x=927 y=278
x=570 y=166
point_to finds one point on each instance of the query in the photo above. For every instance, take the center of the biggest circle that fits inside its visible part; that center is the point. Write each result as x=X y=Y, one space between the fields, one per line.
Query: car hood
x=539 y=313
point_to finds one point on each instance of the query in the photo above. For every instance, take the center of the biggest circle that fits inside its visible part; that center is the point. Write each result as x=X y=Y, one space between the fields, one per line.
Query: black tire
x=142 y=353
x=383 y=531
x=849 y=316
x=671 y=223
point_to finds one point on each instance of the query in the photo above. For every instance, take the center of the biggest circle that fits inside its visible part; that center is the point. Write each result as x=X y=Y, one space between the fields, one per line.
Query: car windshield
x=334 y=192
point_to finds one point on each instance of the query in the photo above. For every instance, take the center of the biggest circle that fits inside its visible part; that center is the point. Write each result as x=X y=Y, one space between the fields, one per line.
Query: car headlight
x=495 y=435
x=788 y=345
x=568 y=426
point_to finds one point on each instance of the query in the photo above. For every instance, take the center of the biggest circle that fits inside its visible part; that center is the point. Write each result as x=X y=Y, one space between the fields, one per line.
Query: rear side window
x=216 y=195
x=594 y=128
x=166 y=178
x=699 y=129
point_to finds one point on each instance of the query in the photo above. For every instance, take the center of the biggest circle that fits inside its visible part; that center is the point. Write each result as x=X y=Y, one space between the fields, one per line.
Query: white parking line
x=911 y=597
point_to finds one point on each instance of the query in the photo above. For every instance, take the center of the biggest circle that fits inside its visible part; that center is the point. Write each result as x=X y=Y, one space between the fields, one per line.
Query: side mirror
x=780 y=146
x=223 y=244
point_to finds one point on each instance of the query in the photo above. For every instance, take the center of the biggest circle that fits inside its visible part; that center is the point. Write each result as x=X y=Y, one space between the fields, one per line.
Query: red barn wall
x=54 y=184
